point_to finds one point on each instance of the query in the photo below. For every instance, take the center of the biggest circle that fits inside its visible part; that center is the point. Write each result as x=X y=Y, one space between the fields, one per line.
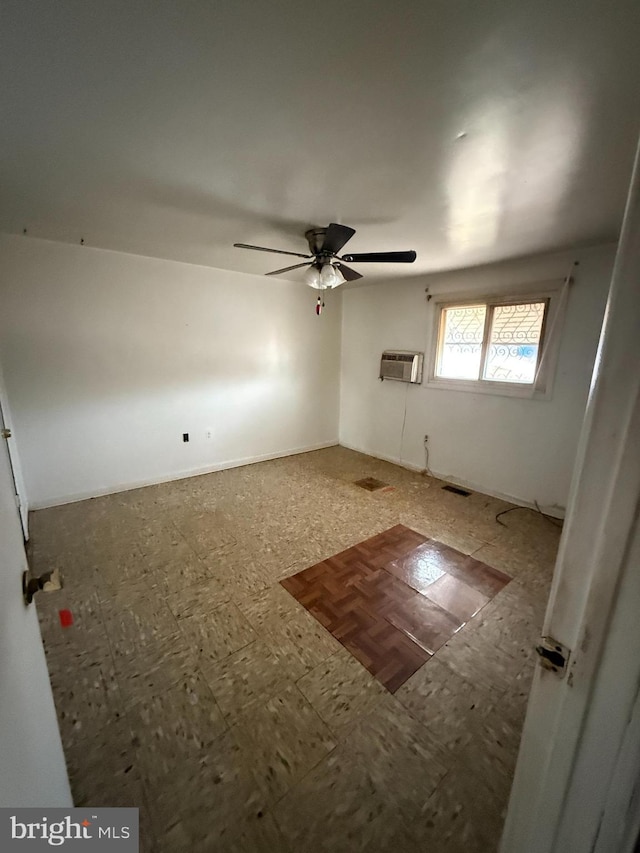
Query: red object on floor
x=66 y=618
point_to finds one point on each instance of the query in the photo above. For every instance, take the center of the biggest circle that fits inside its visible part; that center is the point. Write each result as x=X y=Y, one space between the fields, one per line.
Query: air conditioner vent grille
x=399 y=356
x=393 y=370
x=401 y=365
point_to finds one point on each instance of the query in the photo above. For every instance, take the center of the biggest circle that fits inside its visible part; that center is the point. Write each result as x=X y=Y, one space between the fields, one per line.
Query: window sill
x=500 y=389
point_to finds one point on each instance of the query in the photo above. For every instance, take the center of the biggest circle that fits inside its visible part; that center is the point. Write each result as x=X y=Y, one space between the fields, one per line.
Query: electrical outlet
x=426 y=439
x=208 y=433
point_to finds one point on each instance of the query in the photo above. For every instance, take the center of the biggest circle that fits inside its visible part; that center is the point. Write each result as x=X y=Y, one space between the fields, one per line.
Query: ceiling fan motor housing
x=315 y=239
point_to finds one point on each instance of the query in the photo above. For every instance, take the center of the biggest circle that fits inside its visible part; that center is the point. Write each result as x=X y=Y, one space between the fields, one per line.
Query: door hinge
x=553 y=655
x=5 y=433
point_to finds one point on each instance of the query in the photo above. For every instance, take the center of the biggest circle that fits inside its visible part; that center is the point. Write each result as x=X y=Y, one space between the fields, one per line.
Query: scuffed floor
x=193 y=686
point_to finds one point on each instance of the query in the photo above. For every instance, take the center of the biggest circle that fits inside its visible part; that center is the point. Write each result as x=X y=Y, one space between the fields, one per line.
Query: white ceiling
x=468 y=131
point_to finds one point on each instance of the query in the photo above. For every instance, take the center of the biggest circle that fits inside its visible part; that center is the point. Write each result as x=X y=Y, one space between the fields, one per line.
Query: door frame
x=14 y=461
x=575 y=786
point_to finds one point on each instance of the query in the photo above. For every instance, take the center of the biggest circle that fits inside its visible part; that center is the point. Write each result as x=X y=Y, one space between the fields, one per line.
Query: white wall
x=108 y=358
x=518 y=448
x=32 y=767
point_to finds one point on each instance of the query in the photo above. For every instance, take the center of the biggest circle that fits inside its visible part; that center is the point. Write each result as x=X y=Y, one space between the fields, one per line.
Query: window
x=496 y=344
x=500 y=343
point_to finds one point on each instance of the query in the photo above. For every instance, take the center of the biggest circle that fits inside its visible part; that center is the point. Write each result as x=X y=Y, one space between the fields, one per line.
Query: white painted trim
x=556 y=512
x=177 y=475
x=522 y=390
x=569 y=785
x=14 y=456
x=395 y=460
x=620 y=827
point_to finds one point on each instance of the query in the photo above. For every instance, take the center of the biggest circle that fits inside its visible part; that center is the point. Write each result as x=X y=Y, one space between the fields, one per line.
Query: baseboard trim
x=556 y=512
x=393 y=459
x=61 y=500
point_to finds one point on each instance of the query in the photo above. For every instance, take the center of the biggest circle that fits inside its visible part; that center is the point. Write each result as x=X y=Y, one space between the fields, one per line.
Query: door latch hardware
x=49 y=582
x=5 y=433
x=553 y=655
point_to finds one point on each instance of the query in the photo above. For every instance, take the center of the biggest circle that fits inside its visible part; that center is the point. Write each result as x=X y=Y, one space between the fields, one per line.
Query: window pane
x=512 y=355
x=461 y=342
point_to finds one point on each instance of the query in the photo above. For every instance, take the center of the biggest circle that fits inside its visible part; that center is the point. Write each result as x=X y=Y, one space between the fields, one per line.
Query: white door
x=576 y=783
x=32 y=768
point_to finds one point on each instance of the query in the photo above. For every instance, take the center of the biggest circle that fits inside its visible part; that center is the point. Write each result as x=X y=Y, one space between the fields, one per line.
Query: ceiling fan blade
x=348 y=273
x=382 y=257
x=336 y=237
x=275 y=251
x=287 y=269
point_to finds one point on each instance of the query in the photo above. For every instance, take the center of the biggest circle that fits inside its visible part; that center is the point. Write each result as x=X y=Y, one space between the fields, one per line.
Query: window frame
x=547 y=292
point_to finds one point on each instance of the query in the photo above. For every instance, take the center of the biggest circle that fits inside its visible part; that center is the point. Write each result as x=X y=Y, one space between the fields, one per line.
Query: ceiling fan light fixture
x=312 y=278
x=330 y=276
x=340 y=279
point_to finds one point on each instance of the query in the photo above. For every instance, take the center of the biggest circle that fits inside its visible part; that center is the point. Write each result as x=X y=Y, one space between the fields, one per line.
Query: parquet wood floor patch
x=395 y=599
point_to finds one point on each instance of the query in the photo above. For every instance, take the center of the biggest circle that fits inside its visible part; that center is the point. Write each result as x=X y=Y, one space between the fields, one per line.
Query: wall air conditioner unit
x=402 y=365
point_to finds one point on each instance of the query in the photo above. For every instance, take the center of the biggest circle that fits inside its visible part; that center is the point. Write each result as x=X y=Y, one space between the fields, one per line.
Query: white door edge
x=586 y=612
x=16 y=466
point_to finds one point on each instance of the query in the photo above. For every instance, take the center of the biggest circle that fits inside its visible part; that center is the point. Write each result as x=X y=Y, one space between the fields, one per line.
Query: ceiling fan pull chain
x=319 y=306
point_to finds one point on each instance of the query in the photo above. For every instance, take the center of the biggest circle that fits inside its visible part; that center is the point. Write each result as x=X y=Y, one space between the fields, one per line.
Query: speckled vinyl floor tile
x=269 y=604
x=292 y=634
x=337 y=808
x=519 y=558
x=180 y=574
x=218 y=633
x=114 y=573
x=163 y=545
x=274 y=738
x=247 y=677
x=105 y=772
x=196 y=599
x=513 y=702
x=81 y=644
x=254 y=835
x=341 y=690
x=462 y=815
x=238 y=570
x=136 y=619
x=279 y=556
x=71 y=559
x=444 y=702
x=490 y=750
x=210 y=801
x=508 y=630
x=405 y=762
x=176 y=729
x=257 y=836
x=151 y=671
x=480 y=662
x=285 y=737
x=87 y=699
x=206 y=531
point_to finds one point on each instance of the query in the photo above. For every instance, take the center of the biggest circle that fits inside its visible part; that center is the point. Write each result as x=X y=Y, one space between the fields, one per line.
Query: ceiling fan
x=327 y=269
